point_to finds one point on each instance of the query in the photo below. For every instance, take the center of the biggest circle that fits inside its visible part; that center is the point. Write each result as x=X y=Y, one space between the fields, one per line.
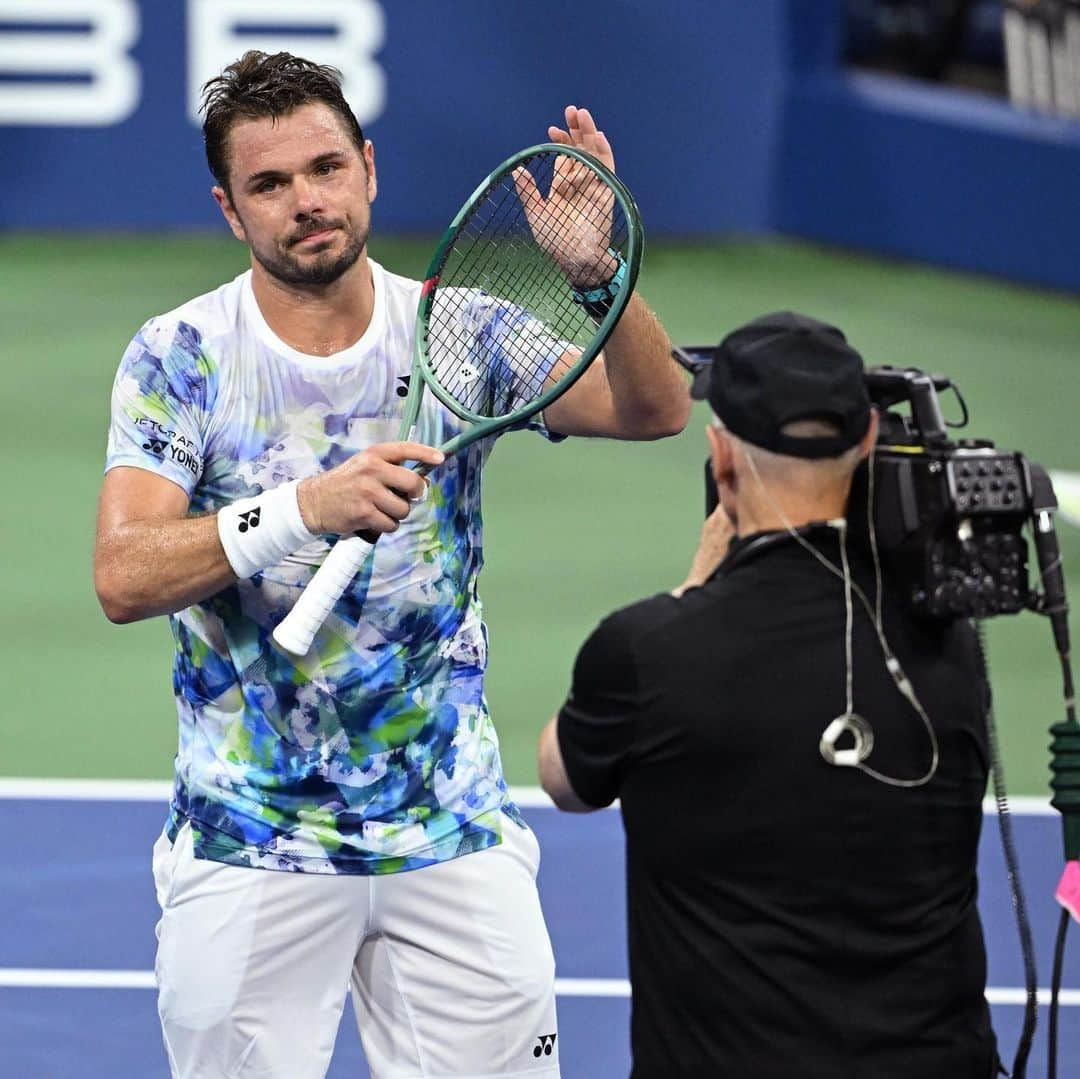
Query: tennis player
x=796 y=908
x=341 y=817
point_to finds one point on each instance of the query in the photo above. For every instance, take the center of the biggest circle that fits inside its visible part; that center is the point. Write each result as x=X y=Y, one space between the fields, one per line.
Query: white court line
x=157 y=790
x=88 y=790
x=592 y=987
x=1067 y=998
x=528 y=797
x=16 y=978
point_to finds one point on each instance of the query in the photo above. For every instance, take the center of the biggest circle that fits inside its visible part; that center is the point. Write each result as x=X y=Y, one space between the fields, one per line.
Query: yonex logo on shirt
x=403 y=389
x=248 y=520
x=181 y=449
x=544 y=1045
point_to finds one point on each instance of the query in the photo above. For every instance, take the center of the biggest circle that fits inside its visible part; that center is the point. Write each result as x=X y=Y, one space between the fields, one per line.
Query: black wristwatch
x=597 y=301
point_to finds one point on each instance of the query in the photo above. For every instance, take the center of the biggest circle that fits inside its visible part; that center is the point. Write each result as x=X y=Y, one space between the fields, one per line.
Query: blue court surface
x=77 y=916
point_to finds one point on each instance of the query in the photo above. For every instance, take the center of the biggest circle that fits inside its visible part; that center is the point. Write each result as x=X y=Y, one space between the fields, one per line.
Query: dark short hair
x=262 y=85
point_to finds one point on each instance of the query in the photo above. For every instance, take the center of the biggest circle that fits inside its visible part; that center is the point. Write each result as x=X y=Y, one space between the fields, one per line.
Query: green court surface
x=572 y=530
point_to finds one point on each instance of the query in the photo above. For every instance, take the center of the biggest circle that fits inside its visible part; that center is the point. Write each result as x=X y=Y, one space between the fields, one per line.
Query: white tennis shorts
x=451 y=967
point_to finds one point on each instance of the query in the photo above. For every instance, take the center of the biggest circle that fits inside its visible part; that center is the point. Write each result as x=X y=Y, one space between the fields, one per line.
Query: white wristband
x=259 y=532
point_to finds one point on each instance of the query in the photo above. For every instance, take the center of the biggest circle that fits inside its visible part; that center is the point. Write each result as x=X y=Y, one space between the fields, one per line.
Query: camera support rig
x=948 y=519
x=948 y=516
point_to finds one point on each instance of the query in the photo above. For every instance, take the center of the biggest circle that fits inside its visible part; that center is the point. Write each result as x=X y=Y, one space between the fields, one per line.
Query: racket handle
x=298 y=628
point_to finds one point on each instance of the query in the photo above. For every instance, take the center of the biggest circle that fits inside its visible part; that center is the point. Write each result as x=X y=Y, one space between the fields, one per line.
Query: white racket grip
x=297 y=629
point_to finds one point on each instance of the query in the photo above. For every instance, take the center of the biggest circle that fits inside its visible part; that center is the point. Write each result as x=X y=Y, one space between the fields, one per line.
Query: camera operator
x=788 y=915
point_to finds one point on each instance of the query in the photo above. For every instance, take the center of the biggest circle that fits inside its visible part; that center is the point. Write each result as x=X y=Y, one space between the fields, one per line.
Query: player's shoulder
x=183 y=330
x=395 y=281
x=397 y=286
x=396 y=298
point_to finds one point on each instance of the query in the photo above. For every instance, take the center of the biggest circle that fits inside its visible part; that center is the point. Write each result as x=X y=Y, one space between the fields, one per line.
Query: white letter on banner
x=99 y=51
x=221 y=31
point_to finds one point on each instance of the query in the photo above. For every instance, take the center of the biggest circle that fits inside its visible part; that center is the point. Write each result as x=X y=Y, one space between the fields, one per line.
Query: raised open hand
x=573 y=224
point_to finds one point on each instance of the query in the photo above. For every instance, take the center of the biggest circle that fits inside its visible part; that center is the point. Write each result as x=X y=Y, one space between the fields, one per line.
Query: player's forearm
x=649 y=393
x=148 y=568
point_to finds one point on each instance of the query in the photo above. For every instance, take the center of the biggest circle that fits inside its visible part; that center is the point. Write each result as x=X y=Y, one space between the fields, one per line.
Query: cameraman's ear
x=866 y=443
x=720 y=448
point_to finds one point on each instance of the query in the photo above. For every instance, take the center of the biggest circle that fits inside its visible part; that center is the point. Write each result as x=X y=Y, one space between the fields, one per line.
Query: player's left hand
x=576 y=194
x=582 y=132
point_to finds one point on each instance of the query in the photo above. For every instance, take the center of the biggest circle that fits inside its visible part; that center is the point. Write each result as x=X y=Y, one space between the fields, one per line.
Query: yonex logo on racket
x=545 y=1044
x=248 y=520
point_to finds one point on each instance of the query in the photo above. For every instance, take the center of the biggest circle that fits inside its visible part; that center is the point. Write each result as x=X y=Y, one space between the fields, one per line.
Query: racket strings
x=568 y=230
x=477 y=269
x=526 y=282
x=567 y=225
x=562 y=229
x=504 y=314
x=496 y=376
x=481 y=228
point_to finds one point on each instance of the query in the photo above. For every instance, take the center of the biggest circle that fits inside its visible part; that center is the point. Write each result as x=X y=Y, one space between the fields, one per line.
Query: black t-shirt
x=787 y=917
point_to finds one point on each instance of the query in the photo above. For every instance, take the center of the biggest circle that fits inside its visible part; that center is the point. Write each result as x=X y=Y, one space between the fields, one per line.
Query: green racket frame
x=487 y=425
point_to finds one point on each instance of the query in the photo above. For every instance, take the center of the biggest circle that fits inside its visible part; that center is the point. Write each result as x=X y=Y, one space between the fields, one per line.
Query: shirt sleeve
x=597 y=725
x=160 y=401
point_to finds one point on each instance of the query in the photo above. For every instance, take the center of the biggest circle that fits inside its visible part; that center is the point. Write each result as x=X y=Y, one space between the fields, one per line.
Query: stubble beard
x=318 y=269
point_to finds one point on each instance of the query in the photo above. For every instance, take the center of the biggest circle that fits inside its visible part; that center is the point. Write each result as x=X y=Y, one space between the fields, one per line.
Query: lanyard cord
x=892 y=664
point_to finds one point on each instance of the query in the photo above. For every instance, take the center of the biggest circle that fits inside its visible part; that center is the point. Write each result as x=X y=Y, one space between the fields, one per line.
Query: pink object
x=1068 y=889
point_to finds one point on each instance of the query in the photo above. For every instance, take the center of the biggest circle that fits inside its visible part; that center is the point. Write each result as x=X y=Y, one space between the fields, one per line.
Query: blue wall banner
x=99 y=100
x=724 y=117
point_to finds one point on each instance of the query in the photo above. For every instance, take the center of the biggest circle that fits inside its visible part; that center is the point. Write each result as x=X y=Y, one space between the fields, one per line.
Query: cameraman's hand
x=716 y=536
x=371 y=490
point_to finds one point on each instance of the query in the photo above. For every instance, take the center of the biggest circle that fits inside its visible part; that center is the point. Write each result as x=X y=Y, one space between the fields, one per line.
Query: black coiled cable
x=1016 y=890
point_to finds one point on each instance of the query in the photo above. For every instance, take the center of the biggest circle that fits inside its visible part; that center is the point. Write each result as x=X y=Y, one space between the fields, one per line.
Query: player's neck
x=322 y=320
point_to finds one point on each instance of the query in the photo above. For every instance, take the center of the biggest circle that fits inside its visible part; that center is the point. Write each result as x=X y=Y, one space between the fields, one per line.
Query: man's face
x=301 y=194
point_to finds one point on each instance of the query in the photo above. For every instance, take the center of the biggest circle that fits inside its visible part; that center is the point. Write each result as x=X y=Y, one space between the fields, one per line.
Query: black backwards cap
x=781 y=368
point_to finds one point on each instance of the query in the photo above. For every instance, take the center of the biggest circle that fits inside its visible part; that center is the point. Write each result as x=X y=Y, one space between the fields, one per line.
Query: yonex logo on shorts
x=248 y=520
x=403 y=389
x=544 y=1045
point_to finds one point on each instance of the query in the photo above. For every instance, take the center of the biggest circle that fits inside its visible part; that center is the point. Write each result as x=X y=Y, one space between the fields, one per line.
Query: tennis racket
x=524 y=288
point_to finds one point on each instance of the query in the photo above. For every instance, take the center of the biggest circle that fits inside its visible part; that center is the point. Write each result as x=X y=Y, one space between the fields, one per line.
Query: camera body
x=948 y=516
